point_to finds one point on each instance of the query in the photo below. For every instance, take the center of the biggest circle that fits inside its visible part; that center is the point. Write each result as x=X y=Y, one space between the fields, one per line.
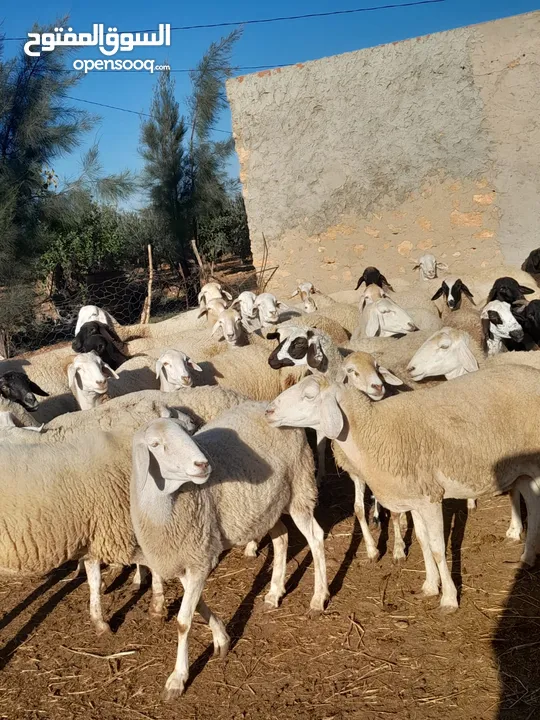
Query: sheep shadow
x=516 y=640
x=38 y=617
x=139 y=378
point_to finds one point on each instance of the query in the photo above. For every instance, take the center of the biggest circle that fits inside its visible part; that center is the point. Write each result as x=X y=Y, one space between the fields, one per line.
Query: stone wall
x=374 y=156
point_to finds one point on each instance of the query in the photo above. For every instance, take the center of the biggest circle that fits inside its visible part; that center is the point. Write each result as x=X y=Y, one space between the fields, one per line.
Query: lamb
x=498 y=326
x=429 y=266
x=397 y=446
x=212 y=291
x=87 y=379
x=229 y=322
x=212 y=309
x=97 y=337
x=383 y=318
x=307 y=290
x=246 y=301
x=255 y=477
x=246 y=371
x=507 y=289
x=17 y=387
x=373 y=276
x=267 y=307
x=92 y=313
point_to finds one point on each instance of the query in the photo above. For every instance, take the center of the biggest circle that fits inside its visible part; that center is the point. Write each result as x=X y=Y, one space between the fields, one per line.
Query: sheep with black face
x=373 y=276
x=101 y=339
x=17 y=387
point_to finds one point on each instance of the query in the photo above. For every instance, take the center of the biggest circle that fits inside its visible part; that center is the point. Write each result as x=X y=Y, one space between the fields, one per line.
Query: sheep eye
x=154 y=443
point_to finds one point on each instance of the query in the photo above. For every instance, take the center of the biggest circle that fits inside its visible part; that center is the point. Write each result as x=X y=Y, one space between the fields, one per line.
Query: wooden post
x=145 y=315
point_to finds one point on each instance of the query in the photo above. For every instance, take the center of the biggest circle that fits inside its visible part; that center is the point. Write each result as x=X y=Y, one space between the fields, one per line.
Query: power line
x=286 y=18
x=133 y=112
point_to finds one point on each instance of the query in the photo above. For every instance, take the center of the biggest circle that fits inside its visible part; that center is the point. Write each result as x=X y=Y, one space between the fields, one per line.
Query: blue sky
x=268 y=44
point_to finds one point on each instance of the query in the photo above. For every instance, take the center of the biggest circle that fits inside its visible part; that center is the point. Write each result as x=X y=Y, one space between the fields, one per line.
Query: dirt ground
x=380 y=650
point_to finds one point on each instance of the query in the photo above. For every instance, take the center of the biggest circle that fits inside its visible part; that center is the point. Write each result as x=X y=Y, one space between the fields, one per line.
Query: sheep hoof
x=174 y=687
x=430 y=590
x=471 y=504
x=399 y=558
x=251 y=549
x=372 y=558
x=271 y=601
x=102 y=628
x=156 y=611
x=513 y=534
x=448 y=609
x=222 y=649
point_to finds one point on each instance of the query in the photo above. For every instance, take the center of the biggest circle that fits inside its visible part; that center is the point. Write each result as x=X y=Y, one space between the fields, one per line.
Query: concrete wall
x=372 y=157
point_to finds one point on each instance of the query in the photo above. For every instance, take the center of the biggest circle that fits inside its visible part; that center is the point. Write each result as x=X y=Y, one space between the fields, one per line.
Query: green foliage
x=100 y=241
x=184 y=169
x=226 y=233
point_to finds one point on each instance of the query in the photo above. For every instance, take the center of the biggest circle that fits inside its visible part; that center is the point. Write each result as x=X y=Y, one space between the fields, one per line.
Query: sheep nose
x=269 y=411
x=101 y=384
x=201 y=464
x=516 y=335
x=377 y=387
x=411 y=368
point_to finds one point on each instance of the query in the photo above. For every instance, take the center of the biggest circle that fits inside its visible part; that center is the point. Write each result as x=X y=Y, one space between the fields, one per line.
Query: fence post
x=145 y=315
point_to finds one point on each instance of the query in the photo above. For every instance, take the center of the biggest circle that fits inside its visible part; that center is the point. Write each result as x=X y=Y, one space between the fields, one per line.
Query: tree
x=185 y=170
x=38 y=125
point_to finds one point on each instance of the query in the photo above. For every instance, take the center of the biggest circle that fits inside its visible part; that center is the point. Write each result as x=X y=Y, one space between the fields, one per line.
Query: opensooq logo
x=109 y=43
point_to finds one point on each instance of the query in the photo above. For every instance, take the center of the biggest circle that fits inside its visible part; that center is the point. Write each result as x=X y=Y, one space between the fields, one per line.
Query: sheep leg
x=516 y=525
x=524 y=485
x=376 y=512
x=93 y=575
x=251 y=549
x=313 y=532
x=432 y=515
x=157 y=603
x=280 y=541
x=359 y=491
x=321 y=457
x=193 y=587
x=399 y=543
x=140 y=575
x=471 y=504
x=220 y=637
x=431 y=583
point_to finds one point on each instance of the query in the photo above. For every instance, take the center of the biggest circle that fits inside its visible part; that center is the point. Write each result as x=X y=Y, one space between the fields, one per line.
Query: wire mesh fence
x=53 y=315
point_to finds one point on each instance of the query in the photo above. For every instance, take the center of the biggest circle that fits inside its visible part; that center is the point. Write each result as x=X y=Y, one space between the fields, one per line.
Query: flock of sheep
x=162 y=445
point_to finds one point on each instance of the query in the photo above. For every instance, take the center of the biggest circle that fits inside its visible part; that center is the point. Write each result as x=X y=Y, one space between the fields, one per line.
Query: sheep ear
x=417 y=266
x=295 y=293
x=71 y=370
x=235 y=302
x=110 y=372
x=159 y=367
x=466 y=358
x=316 y=357
x=203 y=311
x=438 y=294
x=37 y=390
x=272 y=336
x=373 y=324
x=227 y=294
x=194 y=365
x=331 y=415
x=282 y=305
x=389 y=377
x=360 y=281
x=467 y=292
x=77 y=344
x=216 y=327
x=141 y=459
x=386 y=283
x=341 y=375
x=525 y=290
x=201 y=298
x=165 y=412
x=486 y=333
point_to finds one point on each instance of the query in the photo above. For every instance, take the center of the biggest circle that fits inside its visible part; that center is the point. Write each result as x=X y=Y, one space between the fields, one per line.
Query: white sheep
x=255 y=476
x=91 y=313
x=212 y=291
x=486 y=448
x=246 y=301
x=384 y=318
x=307 y=290
x=87 y=379
x=268 y=307
x=429 y=266
x=174 y=370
